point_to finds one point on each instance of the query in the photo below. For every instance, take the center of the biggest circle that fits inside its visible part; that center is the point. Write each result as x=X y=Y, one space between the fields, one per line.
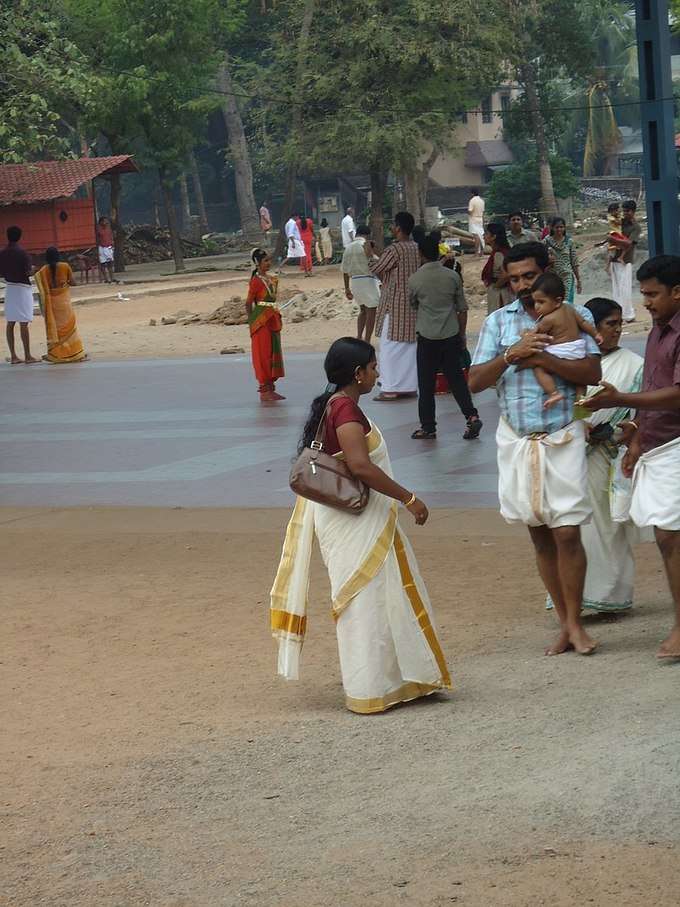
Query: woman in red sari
x=264 y=320
x=306 y=227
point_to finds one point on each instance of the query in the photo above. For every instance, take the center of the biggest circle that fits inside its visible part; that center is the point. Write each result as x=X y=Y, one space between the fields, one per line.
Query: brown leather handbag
x=325 y=479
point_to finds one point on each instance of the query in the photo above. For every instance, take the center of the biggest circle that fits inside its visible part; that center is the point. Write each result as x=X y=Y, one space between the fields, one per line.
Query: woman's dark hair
x=601 y=307
x=303 y=222
x=257 y=256
x=666 y=269
x=523 y=250
x=418 y=233
x=499 y=234
x=557 y=222
x=52 y=259
x=405 y=222
x=324 y=222
x=614 y=206
x=342 y=360
x=550 y=284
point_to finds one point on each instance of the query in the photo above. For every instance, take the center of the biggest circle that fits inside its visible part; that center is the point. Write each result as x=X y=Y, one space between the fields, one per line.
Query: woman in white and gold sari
x=388 y=644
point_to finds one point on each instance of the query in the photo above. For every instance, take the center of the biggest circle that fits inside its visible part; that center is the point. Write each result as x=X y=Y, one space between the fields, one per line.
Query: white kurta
x=397 y=364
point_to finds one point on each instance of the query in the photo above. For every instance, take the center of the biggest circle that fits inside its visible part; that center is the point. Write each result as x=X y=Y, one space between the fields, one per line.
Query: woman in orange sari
x=54 y=281
x=264 y=320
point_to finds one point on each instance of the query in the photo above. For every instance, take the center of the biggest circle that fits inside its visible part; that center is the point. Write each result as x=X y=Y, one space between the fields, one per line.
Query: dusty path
x=150 y=757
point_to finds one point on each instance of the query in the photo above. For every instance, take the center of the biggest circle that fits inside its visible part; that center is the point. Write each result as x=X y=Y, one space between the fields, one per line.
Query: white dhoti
x=397 y=364
x=296 y=248
x=573 y=349
x=477 y=230
x=622 y=287
x=656 y=488
x=366 y=291
x=543 y=479
x=105 y=255
x=18 y=302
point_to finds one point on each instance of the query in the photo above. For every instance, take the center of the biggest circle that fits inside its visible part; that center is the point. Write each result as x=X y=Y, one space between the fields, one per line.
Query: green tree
x=42 y=74
x=376 y=84
x=155 y=65
x=518 y=187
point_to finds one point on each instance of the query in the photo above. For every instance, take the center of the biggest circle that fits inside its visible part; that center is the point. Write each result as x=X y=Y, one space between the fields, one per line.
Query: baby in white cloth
x=564 y=324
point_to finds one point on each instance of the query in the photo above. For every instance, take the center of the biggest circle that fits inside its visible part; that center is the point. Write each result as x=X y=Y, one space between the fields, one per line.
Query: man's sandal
x=421 y=435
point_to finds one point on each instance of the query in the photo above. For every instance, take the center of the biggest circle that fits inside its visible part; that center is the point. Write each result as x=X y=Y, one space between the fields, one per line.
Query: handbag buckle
x=316 y=445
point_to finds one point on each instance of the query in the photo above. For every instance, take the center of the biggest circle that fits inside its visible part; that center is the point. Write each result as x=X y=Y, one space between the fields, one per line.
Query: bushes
x=518 y=187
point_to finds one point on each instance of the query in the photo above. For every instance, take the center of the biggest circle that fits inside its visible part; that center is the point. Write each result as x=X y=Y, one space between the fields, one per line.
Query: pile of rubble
x=146 y=242
x=301 y=307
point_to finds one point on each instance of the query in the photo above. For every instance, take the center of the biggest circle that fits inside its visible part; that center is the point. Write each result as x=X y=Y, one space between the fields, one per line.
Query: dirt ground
x=150 y=756
x=119 y=330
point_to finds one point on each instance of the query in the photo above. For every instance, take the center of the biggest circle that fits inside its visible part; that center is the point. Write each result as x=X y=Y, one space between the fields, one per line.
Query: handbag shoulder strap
x=317 y=443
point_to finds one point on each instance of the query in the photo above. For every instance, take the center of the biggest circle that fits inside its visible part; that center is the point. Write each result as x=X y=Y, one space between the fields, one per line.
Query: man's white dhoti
x=656 y=488
x=622 y=287
x=366 y=291
x=543 y=479
x=397 y=364
x=477 y=230
x=18 y=302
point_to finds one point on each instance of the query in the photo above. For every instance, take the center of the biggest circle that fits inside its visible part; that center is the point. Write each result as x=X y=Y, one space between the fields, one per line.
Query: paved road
x=192 y=433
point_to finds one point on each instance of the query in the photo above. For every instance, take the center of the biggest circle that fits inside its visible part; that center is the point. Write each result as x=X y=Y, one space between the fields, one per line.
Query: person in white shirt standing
x=295 y=249
x=360 y=284
x=476 y=208
x=349 y=230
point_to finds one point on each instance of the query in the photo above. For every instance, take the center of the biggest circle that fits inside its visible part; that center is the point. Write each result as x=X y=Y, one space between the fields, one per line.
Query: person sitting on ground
x=436 y=293
x=564 y=325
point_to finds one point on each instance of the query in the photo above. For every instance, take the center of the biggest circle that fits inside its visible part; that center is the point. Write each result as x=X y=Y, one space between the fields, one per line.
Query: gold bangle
x=410 y=501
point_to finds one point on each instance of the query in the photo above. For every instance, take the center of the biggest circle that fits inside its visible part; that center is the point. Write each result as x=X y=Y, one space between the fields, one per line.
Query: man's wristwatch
x=505 y=357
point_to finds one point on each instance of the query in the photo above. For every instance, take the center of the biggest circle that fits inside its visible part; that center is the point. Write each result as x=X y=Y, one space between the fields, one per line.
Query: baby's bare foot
x=553 y=399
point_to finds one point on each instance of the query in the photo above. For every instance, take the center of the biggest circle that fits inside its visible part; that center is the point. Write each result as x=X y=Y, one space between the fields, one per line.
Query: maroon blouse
x=341 y=411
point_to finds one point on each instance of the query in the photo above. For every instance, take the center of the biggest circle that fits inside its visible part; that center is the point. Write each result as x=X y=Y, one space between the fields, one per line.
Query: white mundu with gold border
x=387 y=641
x=543 y=478
x=656 y=488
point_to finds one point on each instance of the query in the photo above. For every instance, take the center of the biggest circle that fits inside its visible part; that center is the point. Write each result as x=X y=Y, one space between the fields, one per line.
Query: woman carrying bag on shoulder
x=388 y=645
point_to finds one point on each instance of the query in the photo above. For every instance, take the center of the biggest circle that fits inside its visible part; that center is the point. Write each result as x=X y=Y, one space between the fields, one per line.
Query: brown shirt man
x=662 y=369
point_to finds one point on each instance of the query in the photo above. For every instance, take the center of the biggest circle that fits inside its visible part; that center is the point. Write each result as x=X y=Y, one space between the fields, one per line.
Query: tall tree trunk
x=238 y=148
x=198 y=193
x=548 y=202
x=297 y=123
x=156 y=205
x=378 y=188
x=411 y=191
x=175 y=241
x=424 y=183
x=118 y=232
x=186 y=205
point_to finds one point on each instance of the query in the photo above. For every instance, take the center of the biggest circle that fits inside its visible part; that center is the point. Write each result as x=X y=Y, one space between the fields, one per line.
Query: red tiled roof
x=25 y=184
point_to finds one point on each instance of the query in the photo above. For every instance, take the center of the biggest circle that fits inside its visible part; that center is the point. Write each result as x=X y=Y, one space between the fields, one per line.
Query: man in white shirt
x=295 y=248
x=360 y=284
x=476 y=221
x=349 y=230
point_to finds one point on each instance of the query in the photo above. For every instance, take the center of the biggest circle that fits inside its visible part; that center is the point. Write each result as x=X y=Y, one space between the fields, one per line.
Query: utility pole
x=657 y=121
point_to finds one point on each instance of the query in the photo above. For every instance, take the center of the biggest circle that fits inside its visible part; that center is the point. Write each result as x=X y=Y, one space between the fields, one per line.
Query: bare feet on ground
x=561 y=644
x=670 y=647
x=580 y=640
